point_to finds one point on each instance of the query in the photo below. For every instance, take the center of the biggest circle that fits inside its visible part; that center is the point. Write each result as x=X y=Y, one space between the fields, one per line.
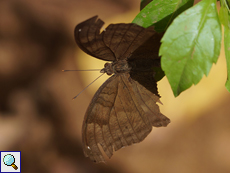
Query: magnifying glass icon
x=9 y=160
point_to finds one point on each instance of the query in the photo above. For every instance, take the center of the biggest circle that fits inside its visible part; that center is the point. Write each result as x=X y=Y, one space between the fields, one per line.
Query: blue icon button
x=9 y=160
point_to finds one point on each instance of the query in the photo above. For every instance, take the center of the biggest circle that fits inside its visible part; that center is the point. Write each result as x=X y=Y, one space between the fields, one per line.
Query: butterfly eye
x=107 y=64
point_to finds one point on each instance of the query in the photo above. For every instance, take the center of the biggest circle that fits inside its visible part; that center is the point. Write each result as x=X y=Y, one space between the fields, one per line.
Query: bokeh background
x=39 y=118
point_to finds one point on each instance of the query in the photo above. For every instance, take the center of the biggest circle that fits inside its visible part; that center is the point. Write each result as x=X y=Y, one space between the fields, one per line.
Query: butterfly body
x=123 y=110
x=116 y=67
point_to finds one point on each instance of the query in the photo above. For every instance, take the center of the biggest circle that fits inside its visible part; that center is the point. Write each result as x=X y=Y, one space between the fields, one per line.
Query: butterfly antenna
x=82 y=70
x=87 y=86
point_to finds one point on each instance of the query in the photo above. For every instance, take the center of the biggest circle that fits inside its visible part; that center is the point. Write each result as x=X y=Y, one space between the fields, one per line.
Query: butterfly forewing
x=88 y=37
x=123 y=39
x=150 y=48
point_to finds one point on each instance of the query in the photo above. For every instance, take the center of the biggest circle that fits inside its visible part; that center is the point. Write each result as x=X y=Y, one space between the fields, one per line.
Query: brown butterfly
x=124 y=109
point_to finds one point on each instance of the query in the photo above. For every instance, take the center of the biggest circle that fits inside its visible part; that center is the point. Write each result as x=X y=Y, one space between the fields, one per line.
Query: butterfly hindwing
x=114 y=119
x=145 y=90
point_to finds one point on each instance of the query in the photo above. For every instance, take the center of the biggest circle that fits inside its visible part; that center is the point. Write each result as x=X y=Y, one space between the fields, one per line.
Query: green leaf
x=224 y=14
x=227 y=54
x=190 y=46
x=144 y=3
x=161 y=13
x=225 y=20
x=228 y=4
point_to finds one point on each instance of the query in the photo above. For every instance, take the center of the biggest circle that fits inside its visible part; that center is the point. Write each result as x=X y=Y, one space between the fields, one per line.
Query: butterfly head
x=121 y=66
x=108 y=69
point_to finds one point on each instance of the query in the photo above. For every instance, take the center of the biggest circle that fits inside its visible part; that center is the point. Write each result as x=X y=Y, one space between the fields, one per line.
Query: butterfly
x=123 y=110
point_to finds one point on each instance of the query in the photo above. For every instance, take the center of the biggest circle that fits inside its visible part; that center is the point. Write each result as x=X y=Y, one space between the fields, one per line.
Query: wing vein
x=146 y=104
x=112 y=37
x=120 y=128
x=111 y=131
x=95 y=138
x=129 y=121
x=132 y=41
x=134 y=103
x=88 y=38
x=121 y=39
x=105 y=140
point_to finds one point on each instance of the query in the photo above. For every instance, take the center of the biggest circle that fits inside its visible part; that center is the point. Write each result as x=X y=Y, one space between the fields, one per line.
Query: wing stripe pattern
x=126 y=83
x=141 y=123
x=113 y=123
x=132 y=132
x=146 y=98
x=149 y=98
x=122 y=118
x=119 y=46
x=136 y=113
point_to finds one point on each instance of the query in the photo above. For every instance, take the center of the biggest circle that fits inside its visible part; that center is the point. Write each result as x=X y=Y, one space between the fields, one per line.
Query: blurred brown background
x=38 y=117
